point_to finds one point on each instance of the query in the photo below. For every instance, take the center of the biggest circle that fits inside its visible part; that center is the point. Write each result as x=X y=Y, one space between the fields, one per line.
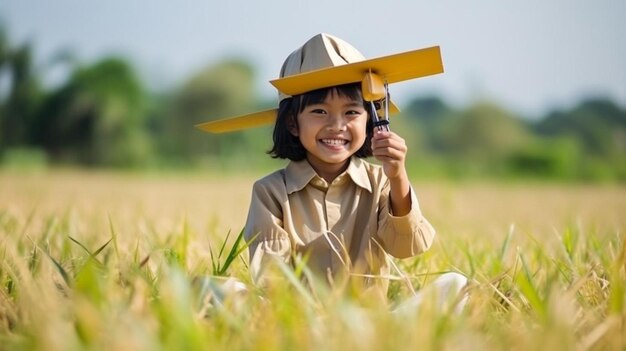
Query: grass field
x=112 y=261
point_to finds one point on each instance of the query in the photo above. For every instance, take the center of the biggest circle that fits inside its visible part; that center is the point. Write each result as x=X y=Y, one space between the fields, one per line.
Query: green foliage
x=484 y=132
x=24 y=158
x=221 y=90
x=554 y=158
x=586 y=143
x=96 y=118
x=598 y=126
x=428 y=116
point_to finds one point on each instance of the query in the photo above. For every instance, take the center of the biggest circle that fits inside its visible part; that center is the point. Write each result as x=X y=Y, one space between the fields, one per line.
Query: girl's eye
x=318 y=111
x=353 y=113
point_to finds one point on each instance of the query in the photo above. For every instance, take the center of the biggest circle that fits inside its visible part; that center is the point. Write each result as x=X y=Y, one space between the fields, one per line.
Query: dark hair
x=287 y=145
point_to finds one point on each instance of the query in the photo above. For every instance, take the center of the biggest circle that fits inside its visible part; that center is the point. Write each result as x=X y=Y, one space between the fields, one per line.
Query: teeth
x=334 y=141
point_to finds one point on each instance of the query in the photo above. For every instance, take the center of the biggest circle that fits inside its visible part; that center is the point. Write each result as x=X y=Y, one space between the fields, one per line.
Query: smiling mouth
x=334 y=142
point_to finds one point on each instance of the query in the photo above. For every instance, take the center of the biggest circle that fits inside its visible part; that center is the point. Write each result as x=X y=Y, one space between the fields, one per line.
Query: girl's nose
x=336 y=123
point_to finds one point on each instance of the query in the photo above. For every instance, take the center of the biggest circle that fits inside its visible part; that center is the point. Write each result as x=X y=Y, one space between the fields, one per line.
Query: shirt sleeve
x=403 y=236
x=264 y=230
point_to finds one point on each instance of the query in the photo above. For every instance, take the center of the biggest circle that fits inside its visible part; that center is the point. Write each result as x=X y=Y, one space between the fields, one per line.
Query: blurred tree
x=429 y=110
x=599 y=125
x=20 y=102
x=96 y=118
x=429 y=116
x=4 y=77
x=218 y=91
x=555 y=158
x=478 y=140
x=484 y=132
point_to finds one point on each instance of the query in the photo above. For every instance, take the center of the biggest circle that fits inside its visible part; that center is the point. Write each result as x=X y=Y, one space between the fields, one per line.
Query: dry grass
x=93 y=260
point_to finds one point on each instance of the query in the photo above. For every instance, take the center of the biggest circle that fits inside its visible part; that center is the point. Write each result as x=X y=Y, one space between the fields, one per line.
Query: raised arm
x=403 y=230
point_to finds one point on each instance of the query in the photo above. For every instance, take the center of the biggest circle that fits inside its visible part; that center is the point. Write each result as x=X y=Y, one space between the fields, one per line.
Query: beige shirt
x=340 y=227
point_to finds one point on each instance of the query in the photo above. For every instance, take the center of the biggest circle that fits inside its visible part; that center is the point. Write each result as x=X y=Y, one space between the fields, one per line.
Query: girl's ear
x=292 y=125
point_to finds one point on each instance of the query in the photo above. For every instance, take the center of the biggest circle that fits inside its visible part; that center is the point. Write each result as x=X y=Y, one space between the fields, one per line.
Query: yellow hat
x=325 y=61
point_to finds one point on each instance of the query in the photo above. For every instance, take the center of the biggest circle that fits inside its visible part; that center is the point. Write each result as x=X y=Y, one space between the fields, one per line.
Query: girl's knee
x=452 y=279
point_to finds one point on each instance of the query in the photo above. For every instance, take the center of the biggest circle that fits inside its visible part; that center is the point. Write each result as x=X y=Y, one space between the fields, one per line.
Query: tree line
x=102 y=115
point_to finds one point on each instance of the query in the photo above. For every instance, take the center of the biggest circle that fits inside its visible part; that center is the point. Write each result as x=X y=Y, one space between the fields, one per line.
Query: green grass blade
x=92 y=256
x=529 y=290
x=29 y=220
x=234 y=252
x=296 y=282
x=80 y=244
x=507 y=241
x=617 y=286
x=114 y=237
x=219 y=255
x=62 y=271
x=102 y=247
x=144 y=261
x=214 y=261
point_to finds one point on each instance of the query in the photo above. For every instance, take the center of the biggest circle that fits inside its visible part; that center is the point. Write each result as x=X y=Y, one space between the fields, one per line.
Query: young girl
x=329 y=205
x=342 y=215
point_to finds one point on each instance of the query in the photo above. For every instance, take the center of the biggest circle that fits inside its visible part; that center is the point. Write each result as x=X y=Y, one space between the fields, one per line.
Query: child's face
x=332 y=131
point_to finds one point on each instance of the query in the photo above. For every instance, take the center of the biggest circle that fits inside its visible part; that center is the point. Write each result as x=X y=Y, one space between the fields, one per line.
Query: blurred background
x=531 y=90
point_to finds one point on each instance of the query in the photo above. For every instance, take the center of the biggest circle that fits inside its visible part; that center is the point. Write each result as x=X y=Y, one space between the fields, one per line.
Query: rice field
x=119 y=261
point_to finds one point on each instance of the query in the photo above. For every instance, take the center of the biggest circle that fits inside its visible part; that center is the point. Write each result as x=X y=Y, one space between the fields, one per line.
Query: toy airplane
x=374 y=74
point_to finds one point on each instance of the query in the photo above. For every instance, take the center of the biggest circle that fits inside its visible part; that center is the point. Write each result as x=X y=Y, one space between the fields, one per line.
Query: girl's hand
x=390 y=149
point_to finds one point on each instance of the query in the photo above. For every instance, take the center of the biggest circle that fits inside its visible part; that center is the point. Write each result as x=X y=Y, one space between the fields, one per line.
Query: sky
x=530 y=56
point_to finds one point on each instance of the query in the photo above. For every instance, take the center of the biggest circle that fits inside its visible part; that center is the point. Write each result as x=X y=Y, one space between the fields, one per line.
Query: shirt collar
x=358 y=172
x=300 y=173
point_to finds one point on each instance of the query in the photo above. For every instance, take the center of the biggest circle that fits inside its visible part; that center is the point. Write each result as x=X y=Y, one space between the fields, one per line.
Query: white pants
x=445 y=292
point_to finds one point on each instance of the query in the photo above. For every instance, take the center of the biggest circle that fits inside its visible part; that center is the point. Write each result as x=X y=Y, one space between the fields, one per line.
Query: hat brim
x=392 y=69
